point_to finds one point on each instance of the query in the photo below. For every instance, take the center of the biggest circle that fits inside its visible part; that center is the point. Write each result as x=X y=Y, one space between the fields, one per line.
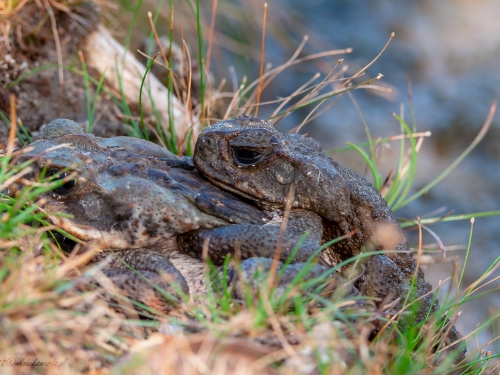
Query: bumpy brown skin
x=132 y=195
x=247 y=156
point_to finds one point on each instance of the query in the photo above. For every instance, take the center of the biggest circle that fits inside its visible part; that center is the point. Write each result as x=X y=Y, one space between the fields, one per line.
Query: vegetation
x=48 y=315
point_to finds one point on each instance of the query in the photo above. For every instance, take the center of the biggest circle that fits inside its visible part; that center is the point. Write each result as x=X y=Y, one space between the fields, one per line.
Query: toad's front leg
x=303 y=230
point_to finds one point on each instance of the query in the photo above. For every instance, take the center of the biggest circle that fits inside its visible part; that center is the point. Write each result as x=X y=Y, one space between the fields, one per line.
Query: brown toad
x=247 y=156
x=131 y=195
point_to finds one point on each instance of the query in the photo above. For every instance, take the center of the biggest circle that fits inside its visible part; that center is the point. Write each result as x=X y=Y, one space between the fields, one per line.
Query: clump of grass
x=46 y=319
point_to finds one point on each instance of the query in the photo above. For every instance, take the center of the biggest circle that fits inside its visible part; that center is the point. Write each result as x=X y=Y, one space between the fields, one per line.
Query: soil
x=40 y=95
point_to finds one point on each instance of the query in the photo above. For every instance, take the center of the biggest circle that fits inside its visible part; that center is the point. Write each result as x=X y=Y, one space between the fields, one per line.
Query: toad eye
x=65 y=188
x=247 y=157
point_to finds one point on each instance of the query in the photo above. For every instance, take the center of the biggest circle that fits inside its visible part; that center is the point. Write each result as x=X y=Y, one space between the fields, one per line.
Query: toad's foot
x=312 y=279
x=145 y=276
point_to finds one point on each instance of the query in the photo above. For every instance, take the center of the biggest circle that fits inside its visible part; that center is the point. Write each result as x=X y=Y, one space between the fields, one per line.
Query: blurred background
x=448 y=50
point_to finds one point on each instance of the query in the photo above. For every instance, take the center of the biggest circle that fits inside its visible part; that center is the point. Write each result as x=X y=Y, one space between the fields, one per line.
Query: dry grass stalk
x=103 y=54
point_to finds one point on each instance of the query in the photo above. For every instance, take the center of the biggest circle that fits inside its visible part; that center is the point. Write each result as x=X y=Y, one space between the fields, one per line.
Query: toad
x=158 y=214
x=248 y=157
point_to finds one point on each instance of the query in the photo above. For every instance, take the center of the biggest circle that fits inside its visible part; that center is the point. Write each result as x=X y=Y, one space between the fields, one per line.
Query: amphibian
x=248 y=157
x=131 y=195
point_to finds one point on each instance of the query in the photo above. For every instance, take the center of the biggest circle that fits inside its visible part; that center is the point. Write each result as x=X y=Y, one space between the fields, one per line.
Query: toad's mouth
x=105 y=239
x=257 y=197
x=229 y=184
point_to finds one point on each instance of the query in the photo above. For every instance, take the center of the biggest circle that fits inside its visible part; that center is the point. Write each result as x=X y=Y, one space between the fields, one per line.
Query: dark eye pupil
x=247 y=157
x=66 y=187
